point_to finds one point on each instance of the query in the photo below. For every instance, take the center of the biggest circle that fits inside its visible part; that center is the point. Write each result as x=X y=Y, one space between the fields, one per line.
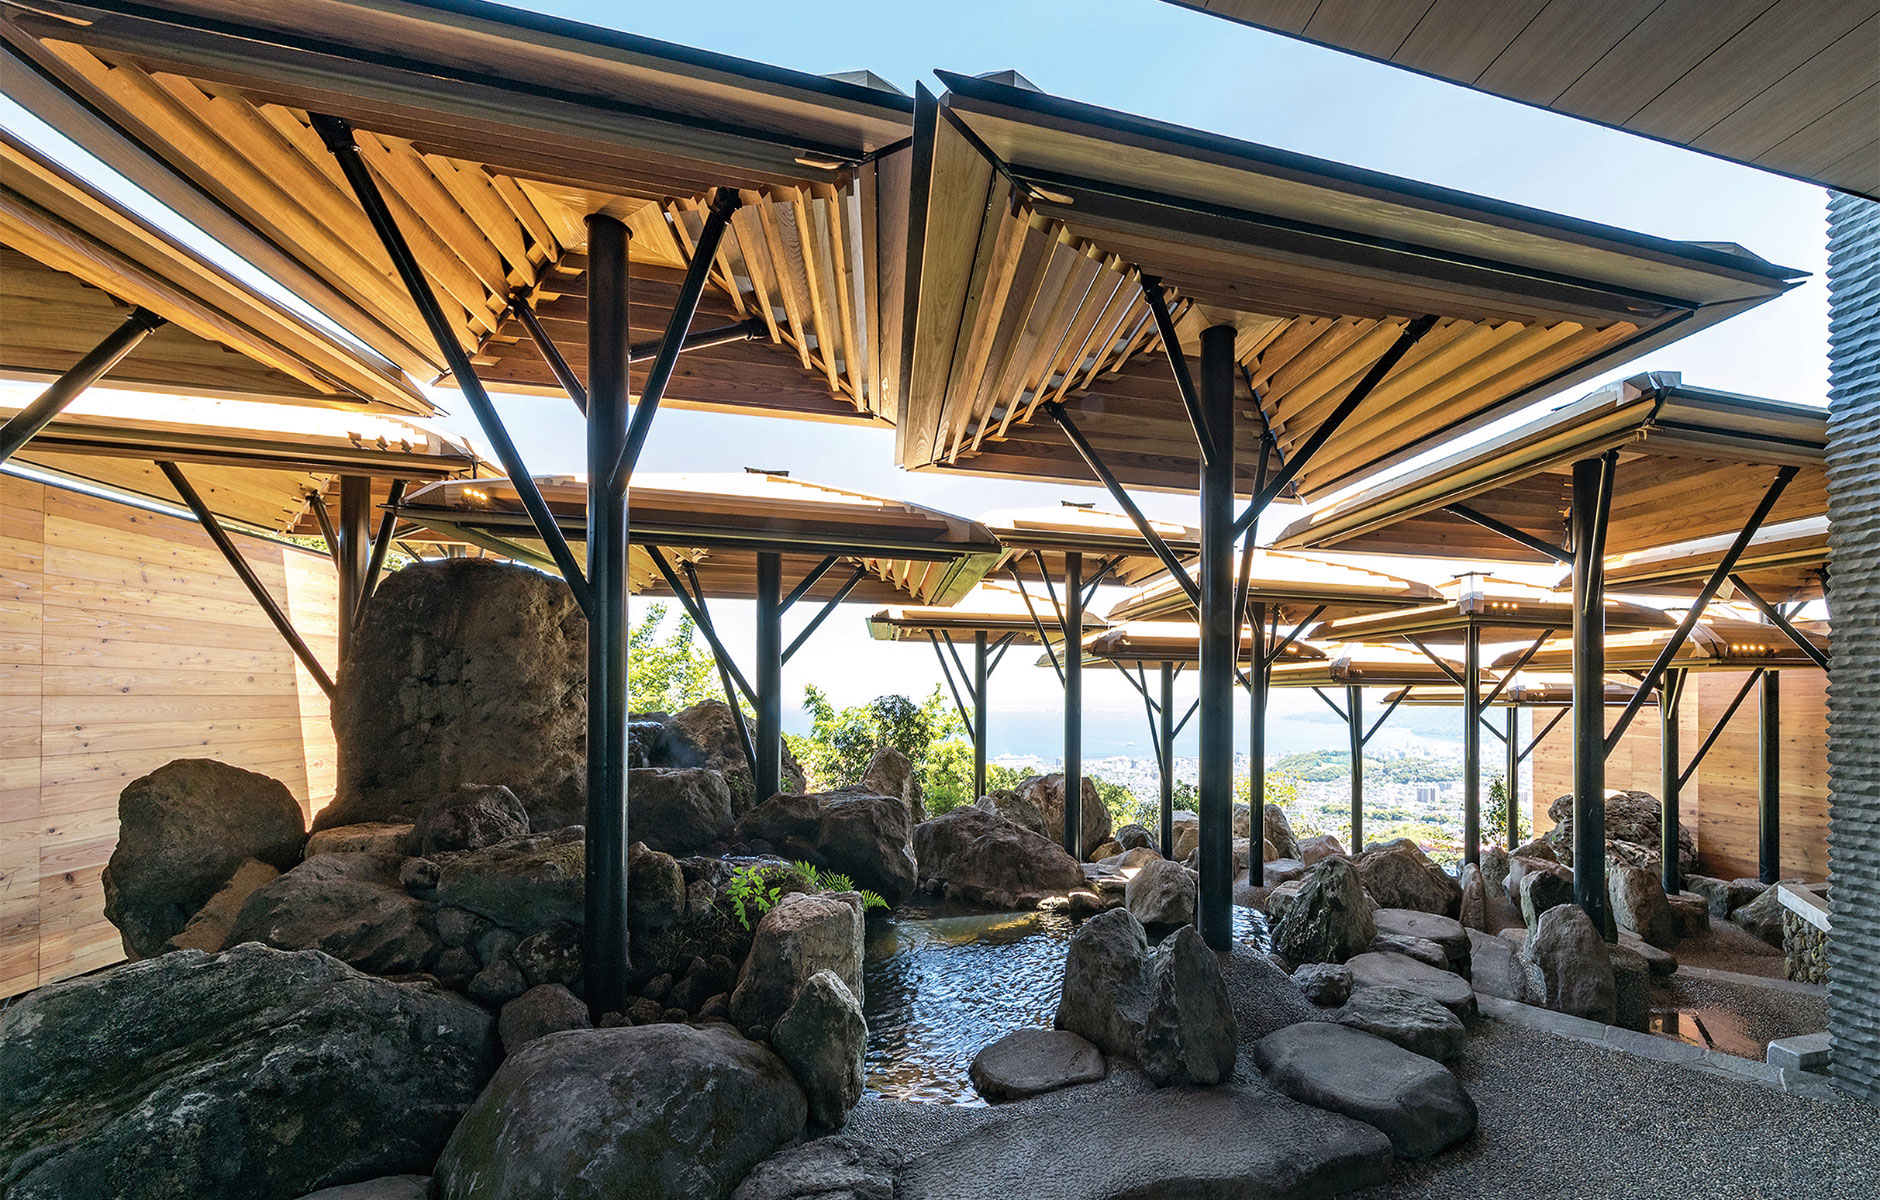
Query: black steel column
x=769 y=779
x=1220 y=628
x=1472 y=744
x=20 y=428
x=1670 y=693
x=979 y=714
x=1589 y=694
x=1354 y=720
x=1769 y=780
x=353 y=554
x=1074 y=706
x=1165 y=751
x=1511 y=791
x=1256 y=738
x=606 y=952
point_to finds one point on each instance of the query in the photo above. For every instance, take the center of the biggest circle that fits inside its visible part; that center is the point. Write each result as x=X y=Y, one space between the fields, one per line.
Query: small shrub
x=755 y=889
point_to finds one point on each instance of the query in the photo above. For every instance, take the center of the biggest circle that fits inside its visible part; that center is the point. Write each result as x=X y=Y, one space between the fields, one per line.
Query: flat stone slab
x=1446 y=933
x=1396 y=970
x=1804 y=1052
x=1028 y=1062
x=1413 y=1100
x=1172 y=1144
x=1410 y=1019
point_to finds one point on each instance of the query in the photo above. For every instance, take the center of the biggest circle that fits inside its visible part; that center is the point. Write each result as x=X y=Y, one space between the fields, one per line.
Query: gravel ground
x=1743 y=1018
x=1561 y=1118
x=1729 y=947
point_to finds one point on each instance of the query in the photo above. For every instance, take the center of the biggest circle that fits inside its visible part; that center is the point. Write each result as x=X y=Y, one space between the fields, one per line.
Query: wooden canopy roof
x=73 y=264
x=1494 y=606
x=719 y=523
x=1787 y=85
x=1547 y=693
x=493 y=133
x=1368 y=666
x=251 y=462
x=1714 y=644
x=1297 y=583
x=1034 y=218
x=989 y=608
x=1101 y=537
x=1157 y=642
x=1784 y=563
x=1693 y=463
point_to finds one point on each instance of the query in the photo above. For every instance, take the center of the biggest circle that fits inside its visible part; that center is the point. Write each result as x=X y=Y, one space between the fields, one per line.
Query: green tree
x=668 y=670
x=840 y=741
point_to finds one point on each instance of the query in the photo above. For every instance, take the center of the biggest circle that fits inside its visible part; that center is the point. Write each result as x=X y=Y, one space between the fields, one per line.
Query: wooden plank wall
x=1719 y=803
x=126 y=642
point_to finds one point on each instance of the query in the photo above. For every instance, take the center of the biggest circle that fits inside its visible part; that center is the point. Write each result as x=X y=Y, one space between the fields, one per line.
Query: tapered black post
x=1354 y=719
x=1219 y=638
x=769 y=779
x=1669 y=754
x=353 y=554
x=1074 y=705
x=1472 y=744
x=1511 y=790
x=22 y=425
x=1165 y=752
x=1260 y=677
x=979 y=713
x=1589 y=691
x=1769 y=780
x=606 y=962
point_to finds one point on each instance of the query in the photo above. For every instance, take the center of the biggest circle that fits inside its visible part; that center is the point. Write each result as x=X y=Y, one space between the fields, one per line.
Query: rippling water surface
x=942 y=981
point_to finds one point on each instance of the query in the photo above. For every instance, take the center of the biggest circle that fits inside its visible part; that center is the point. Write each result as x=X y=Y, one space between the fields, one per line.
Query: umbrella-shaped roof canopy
x=1369 y=666
x=493 y=133
x=253 y=463
x=717 y=524
x=1030 y=534
x=990 y=608
x=1783 y=563
x=74 y=263
x=1035 y=219
x=1156 y=642
x=1298 y=583
x=1493 y=606
x=1717 y=644
x=1693 y=463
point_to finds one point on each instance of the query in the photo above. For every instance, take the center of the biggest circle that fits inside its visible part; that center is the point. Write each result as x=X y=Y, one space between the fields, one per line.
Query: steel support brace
x=1219 y=629
x=1178 y=365
x=1670 y=694
x=1176 y=568
x=1511 y=789
x=1716 y=731
x=980 y=672
x=20 y=428
x=1769 y=780
x=380 y=544
x=1354 y=722
x=1592 y=497
x=1165 y=755
x=694 y=606
x=822 y=614
x=606 y=963
x=810 y=580
x=1518 y=536
x=1050 y=651
x=1257 y=691
x=1780 y=620
x=1546 y=729
x=551 y=353
x=768 y=780
x=232 y=553
x=946 y=671
x=352 y=554
x=1472 y=743
x=317 y=503
x=338 y=136
x=1073 y=625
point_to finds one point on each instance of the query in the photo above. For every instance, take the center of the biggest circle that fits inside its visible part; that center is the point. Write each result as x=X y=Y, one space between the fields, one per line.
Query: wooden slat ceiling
x=251 y=462
x=1523 y=694
x=1692 y=464
x=1502 y=610
x=1101 y=538
x=1035 y=218
x=1787 y=85
x=493 y=134
x=1298 y=584
x=1370 y=666
x=1784 y=563
x=989 y=608
x=1714 y=644
x=1156 y=642
x=720 y=522
x=73 y=263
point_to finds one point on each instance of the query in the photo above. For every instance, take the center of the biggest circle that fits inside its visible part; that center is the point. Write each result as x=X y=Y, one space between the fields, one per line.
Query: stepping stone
x=1171 y=1144
x=1431 y=927
x=1027 y=1062
x=1410 y=1019
x=1413 y=1100
x=1396 y=970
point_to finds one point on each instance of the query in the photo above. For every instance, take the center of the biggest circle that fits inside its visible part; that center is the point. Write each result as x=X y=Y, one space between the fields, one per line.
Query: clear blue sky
x=1152 y=58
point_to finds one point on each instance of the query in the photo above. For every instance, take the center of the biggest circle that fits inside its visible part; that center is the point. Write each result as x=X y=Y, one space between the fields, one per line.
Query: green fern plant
x=751 y=891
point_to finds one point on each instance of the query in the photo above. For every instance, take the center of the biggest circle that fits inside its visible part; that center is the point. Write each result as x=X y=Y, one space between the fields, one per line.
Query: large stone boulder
x=706 y=735
x=1639 y=903
x=1046 y=794
x=1398 y=874
x=1631 y=988
x=1168 y=1010
x=544 y=1009
x=525 y=883
x=1012 y=807
x=1327 y=985
x=208 y=930
x=1495 y=967
x=1161 y=894
x=183 y=831
x=386 y=1187
x=1030 y=1062
x=1445 y=933
x=831 y=1168
x=1568 y=966
x=650 y=1112
x=464 y=670
x=1724 y=896
x=1186 y=828
x=1762 y=916
x=802 y=935
x=253 y=1073
x=678 y=810
x=1633 y=819
x=1412 y=1100
x=1136 y=837
x=1312 y=849
x=1540 y=886
x=468 y=817
x=979 y=857
x=889 y=773
x=859 y=834
x=1472 y=910
x=351 y=906
x=1279 y=831
x=1411 y=1019
x=822 y=1039
x=367 y=837
x=1330 y=919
